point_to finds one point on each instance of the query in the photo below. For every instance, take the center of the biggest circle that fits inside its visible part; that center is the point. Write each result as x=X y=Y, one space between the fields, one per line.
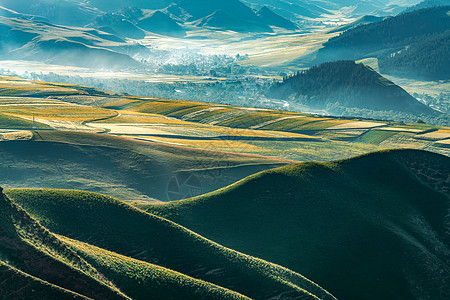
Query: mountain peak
x=269 y=17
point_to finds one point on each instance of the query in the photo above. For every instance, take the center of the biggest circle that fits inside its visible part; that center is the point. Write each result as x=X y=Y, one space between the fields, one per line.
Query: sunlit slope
x=111 y=224
x=139 y=279
x=19 y=285
x=29 y=251
x=36 y=264
x=130 y=169
x=371 y=227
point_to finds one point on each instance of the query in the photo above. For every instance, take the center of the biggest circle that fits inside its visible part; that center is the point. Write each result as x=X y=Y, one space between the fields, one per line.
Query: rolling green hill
x=370 y=227
x=36 y=264
x=111 y=224
x=43 y=260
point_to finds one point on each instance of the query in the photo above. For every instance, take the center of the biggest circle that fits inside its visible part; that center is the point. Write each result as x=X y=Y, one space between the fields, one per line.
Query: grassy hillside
x=139 y=279
x=371 y=227
x=37 y=253
x=16 y=284
x=36 y=264
x=130 y=169
x=111 y=224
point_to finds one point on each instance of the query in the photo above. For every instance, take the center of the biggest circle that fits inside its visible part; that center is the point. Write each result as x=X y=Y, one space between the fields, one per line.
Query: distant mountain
x=427 y=59
x=115 y=5
x=27 y=39
x=221 y=19
x=227 y=15
x=350 y=85
x=64 y=12
x=9 y=13
x=273 y=19
x=427 y=4
x=290 y=9
x=119 y=23
x=159 y=22
x=388 y=36
x=72 y=53
x=370 y=227
x=361 y=21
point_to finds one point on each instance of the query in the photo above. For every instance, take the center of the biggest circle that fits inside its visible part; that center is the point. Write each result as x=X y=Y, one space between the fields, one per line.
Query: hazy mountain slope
x=349 y=84
x=9 y=13
x=223 y=20
x=66 y=52
x=427 y=4
x=385 y=37
x=361 y=21
x=271 y=18
x=115 y=5
x=159 y=22
x=108 y=223
x=229 y=15
x=129 y=169
x=119 y=23
x=427 y=59
x=371 y=227
x=291 y=9
x=25 y=39
x=64 y=12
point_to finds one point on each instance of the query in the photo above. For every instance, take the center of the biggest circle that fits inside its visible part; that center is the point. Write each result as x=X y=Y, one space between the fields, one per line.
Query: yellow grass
x=223 y=145
x=325 y=124
x=241 y=132
x=75 y=113
x=146 y=119
x=121 y=102
x=347 y=124
x=289 y=134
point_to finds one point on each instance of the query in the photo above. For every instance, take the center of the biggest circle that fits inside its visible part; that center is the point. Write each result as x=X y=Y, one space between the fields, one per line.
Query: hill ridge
x=352 y=219
x=161 y=241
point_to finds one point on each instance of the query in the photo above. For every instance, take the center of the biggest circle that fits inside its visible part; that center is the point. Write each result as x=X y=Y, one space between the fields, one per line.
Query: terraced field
x=205 y=125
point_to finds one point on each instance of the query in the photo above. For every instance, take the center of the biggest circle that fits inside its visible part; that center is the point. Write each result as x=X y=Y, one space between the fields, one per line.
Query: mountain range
x=398 y=35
